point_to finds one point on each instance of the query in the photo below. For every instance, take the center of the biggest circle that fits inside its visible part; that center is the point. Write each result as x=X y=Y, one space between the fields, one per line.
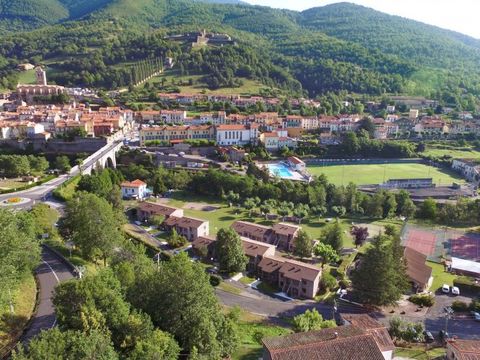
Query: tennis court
x=466 y=246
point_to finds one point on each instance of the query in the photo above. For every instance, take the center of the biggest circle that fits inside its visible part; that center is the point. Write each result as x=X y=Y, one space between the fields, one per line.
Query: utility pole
x=448 y=313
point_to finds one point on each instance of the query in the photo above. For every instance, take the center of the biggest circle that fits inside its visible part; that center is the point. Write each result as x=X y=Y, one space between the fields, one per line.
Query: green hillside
x=326 y=49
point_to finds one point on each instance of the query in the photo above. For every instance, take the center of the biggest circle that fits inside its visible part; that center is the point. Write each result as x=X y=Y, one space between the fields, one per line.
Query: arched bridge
x=103 y=158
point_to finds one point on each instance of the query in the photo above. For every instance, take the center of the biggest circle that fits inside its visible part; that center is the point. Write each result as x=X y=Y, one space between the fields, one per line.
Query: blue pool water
x=280 y=170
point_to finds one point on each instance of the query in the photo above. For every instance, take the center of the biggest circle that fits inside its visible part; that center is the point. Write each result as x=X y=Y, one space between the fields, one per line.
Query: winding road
x=49 y=274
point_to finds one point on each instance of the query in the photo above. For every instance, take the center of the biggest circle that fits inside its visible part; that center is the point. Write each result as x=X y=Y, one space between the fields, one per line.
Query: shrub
x=475 y=305
x=459 y=306
x=215 y=280
x=465 y=283
x=422 y=300
x=328 y=281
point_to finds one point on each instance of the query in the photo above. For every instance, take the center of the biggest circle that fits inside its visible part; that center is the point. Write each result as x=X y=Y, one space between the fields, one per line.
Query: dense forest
x=325 y=49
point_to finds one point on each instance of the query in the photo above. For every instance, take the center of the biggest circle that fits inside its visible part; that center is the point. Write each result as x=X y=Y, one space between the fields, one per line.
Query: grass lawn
x=27 y=77
x=225 y=286
x=454 y=153
x=11 y=326
x=378 y=173
x=440 y=277
x=247 y=280
x=251 y=330
x=419 y=353
x=11 y=184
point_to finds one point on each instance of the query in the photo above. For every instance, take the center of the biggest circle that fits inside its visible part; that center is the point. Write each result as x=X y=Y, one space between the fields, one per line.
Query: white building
x=296 y=163
x=229 y=135
x=470 y=169
x=136 y=189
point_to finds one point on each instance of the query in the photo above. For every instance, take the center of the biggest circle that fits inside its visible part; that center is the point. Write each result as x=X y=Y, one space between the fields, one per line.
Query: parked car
x=455 y=290
x=428 y=337
x=444 y=336
x=476 y=315
x=445 y=288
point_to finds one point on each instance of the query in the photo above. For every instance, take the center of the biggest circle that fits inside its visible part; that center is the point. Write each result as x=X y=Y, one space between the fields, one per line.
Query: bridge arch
x=109 y=163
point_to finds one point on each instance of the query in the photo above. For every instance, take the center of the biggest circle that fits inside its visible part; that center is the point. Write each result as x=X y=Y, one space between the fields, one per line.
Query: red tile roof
x=417 y=269
x=373 y=327
x=466 y=349
x=135 y=183
x=341 y=343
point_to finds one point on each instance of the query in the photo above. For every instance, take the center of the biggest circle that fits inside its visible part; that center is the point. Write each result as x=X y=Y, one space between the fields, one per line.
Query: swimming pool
x=281 y=171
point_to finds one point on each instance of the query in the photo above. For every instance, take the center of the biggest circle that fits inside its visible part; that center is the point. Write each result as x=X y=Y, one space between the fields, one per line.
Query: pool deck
x=295 y=175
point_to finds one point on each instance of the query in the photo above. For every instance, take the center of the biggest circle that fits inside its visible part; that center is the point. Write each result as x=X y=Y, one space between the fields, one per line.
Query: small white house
x=136 y=189
x=296 y=163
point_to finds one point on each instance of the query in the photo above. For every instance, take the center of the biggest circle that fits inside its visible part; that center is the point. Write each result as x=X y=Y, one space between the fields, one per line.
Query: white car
x=445 y=288
x=476 y=315
x=455 y=290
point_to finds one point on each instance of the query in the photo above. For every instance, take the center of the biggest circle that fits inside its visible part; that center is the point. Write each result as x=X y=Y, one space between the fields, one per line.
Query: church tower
x=41 y=76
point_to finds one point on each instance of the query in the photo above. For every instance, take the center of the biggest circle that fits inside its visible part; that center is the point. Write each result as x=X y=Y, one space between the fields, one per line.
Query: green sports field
x=378 y=173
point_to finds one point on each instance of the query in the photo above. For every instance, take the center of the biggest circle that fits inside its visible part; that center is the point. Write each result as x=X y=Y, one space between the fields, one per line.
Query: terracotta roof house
x=147 y=209
x=205 y=246
x=463 y=349
x=255 y=252
x=284 y=235
x=268 y=269
x=136 y=189
x=419 y=273
x=299 y=279
x=341 y=343
x=189 y=227
x=374 y=328
x=253 y=231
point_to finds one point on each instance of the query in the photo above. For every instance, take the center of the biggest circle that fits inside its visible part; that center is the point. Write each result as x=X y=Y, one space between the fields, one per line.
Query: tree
x=378 y=280
x=232 y=198
x=159 y=187
x=333 y=236
x=94 y=226
x=311 y=320
x=55 y=344
x=283 y=211
x=19 y=248
x=405 y=205
x=181 y=301
x=230 y=253
x=175 y=240
x=249 y=205
x=157 y=220
x=301 y=211
x=326 y=252
x=38 y=164
x=159 y=345
x=62 y=163
x=360 y=235
x=303 y=245
x=428 y=209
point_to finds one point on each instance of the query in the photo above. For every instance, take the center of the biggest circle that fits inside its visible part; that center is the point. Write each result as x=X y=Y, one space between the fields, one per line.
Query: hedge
x=466 y=283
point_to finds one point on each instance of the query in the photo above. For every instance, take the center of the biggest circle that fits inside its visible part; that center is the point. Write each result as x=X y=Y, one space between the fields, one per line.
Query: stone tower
x=41 y=76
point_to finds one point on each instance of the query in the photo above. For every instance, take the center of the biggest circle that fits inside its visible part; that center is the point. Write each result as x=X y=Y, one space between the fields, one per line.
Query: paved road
x=49 y=274
x=274 y=308
x=38 y=193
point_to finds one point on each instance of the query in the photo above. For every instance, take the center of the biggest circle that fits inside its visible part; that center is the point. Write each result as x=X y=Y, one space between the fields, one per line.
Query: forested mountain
x=331 y=48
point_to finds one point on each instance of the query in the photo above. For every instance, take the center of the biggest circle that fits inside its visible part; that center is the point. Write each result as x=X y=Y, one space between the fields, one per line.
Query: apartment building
x=174 y=134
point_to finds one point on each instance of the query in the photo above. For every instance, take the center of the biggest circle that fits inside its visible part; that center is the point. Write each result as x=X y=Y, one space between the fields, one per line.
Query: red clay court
x=466 y=246
x=422 y=241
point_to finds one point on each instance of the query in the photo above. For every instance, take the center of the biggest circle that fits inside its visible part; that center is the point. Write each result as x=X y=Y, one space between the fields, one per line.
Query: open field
x=224 y=216
x=454 y=153
x=11 y=326
x=249 y=87
x=378 y=173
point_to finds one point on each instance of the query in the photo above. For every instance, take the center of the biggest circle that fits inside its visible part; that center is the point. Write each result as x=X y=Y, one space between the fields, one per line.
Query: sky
x=457 y=15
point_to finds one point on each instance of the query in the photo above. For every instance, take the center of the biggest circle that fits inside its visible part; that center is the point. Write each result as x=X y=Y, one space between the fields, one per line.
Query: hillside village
x=279 y=185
